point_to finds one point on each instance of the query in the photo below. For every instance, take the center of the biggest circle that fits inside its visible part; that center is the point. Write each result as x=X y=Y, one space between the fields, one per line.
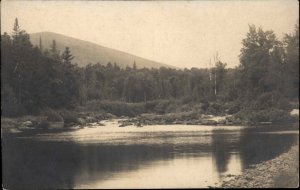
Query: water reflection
x=195 y=157
x=32 y=165
x=220 y=149
x=257 y=146
x=172 y=173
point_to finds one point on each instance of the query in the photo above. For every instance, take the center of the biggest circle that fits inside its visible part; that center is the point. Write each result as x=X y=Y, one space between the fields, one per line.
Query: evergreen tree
x=67 y=56
x=53 y=52
x=40 y=44
x=16 y=28
x=134 y=66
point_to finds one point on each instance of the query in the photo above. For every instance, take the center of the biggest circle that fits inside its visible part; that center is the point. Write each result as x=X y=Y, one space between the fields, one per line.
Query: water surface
x=173 y=156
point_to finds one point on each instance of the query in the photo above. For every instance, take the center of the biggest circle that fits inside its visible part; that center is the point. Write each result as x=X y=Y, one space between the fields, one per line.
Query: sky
x=184 y=34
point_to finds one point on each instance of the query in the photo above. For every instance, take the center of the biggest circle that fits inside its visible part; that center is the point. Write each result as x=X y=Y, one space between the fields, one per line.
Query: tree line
x=35 y=78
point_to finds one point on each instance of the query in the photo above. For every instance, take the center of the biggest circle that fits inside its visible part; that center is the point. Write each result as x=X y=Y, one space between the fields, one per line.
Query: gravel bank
x=282 y=171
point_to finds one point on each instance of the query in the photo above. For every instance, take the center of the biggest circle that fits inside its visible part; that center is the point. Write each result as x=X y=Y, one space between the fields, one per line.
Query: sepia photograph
x=149 y=94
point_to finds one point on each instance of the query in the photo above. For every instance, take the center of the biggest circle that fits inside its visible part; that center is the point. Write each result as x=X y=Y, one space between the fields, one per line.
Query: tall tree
x=291 y=67
x=40 y=44
x=67 y=56
x=255 y=59
x=220 y=74
x=134 y=66
x=16 y=28
x=54 y=53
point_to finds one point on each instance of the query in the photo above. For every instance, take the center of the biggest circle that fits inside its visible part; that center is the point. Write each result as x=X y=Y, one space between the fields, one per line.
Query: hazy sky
x=181 y=33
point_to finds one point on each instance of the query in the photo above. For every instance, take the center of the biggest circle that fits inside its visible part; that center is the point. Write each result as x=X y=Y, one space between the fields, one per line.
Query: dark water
x=152 y=156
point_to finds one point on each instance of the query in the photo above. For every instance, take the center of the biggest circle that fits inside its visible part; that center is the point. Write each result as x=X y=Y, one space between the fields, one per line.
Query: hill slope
x=87 y=52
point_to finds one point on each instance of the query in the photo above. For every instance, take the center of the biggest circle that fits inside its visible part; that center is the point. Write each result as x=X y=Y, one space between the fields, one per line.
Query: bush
x=150 y=106
x=9 y=103
x=117 y=108
x=215 y=108
x=265 y=100
x=43 y=124
x=53 y=116
x=185 y=108
x=204 y=106
x=278 y=116
x=232 y=108
x=187 y=99
x=133 y=109
x=284 y=104
x=267 y=115
x=174 y=107
x=161 y=107
x=69 y=116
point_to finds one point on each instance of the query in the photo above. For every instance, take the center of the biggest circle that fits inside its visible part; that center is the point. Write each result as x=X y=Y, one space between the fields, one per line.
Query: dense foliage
x=38 y=78
x=32 y=80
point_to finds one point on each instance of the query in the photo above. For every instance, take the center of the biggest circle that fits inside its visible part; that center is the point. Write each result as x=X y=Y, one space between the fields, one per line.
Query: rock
x=295 y=112
x=56 y=125
x=222 y=122
x=89 y=119
x=229 y=175
x=267 y=174
x=123 y=125
x=100 y=124
x=81 y=121
x=13 y=130
x=27 y=123
x=208 y=122
x=138 y=124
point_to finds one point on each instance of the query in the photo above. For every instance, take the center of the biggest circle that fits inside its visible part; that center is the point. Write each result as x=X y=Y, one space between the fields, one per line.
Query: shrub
x=149 y=106
x=278 y=116
x=187 y=99
x=161 y=107
x=69 y=116
x=173 y=107
x=264 y=101
x=43 y=124
x=53 y=116
x=204 y=106
x=117 y=108
x=284 y=104
x=185 y=108
x=232 y=108
x=133 y=109
x=215 y=108
x=267 y=115
x=9 y=103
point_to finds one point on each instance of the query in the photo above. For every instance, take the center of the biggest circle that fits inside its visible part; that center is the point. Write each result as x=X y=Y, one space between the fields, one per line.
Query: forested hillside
x=35 y=78
x=87 y=52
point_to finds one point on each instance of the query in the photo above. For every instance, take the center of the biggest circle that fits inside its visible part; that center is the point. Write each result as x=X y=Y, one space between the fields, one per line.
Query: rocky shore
x=75 y=119
x=29 y=122
x=282 y=171
x=189 y=118
x=184 y=118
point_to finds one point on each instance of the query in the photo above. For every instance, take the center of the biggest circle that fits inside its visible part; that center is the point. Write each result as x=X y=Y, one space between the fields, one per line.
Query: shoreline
x=81 y=120
x=194 y=118
x=279 y=172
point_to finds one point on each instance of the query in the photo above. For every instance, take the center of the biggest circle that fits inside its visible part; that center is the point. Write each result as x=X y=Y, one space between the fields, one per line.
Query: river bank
x=282 y=171
x=196 y=118
x=184 y=118
x=78 y=119
x=66 y=120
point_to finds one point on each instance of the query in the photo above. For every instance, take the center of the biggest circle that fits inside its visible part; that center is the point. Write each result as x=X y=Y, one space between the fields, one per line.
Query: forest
x=263 y=87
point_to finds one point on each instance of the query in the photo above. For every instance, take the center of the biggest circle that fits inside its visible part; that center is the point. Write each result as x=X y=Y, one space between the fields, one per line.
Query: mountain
x=87 y=52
